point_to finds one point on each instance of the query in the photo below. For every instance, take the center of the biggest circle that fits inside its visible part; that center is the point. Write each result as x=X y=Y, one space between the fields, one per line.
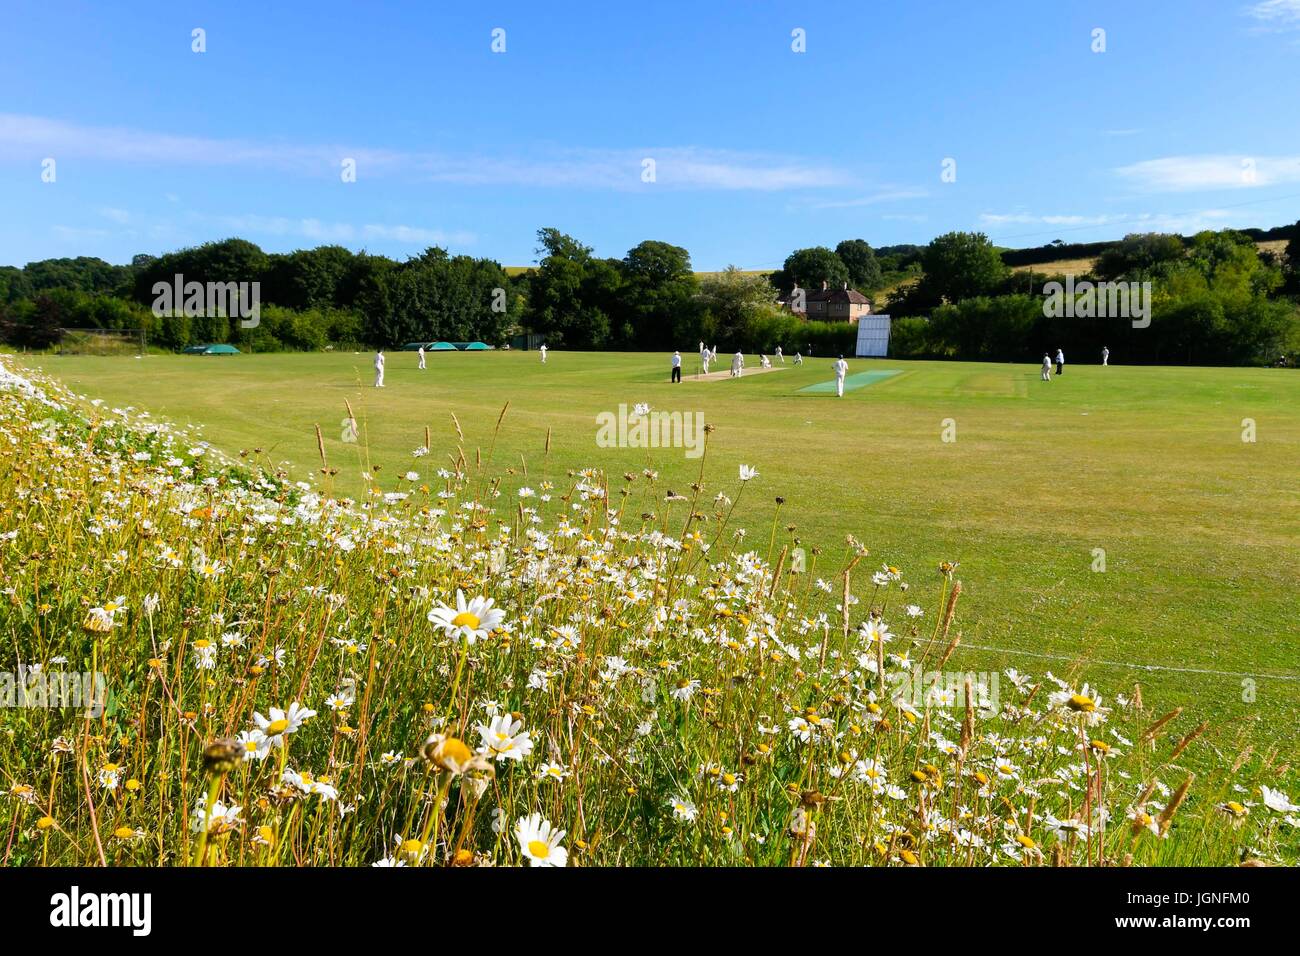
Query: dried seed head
x=222 y=756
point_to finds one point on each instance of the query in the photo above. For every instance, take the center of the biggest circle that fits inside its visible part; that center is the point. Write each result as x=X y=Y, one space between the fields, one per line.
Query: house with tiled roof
x=827 y=305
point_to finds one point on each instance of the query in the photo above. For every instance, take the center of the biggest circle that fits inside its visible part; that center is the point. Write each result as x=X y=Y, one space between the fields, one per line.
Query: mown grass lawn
x=1200 y=529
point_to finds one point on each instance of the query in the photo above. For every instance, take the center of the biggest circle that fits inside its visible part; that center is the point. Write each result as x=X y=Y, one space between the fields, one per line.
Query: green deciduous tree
x=860 y=261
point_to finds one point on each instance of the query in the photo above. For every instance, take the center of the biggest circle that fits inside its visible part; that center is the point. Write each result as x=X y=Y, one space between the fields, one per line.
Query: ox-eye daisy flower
x=683 y=809
x=103 y=619
x=504 y=738
x=282 y=723
x=1277 y=801
x=551 y=771
x=254 y=744
x=471 y=620
x=223 y=817
x=539 y=843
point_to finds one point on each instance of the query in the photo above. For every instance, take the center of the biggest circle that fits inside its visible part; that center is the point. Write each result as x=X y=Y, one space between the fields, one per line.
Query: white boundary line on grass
x=1140 y=667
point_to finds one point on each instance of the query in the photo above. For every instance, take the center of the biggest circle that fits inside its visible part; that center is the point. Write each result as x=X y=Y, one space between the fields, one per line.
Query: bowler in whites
x=841 y=369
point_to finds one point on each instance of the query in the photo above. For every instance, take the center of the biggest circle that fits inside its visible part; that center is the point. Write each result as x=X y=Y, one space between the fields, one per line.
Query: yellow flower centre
x=277 y=727
x=110 y=607
x=466 y=619
x=1082 y=703
x=1026 y=842
x=412 y=847
x=539 y=849
x=452 y=754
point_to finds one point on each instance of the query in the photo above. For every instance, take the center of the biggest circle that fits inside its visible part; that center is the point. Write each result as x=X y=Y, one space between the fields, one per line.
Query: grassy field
x=1149 y=465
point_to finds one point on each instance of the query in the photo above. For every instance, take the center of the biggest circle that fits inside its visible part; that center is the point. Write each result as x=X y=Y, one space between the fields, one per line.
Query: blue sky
x=1189 y=119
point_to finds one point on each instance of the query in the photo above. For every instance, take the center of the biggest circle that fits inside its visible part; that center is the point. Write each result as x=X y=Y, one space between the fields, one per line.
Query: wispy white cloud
x=1001 y=219
x=676 y=167
x=1215 y=171
x=321 y=231
x=78 y=233
x=882 y=195
x=1275 y=16
x=1131 y=222
x=315 y=230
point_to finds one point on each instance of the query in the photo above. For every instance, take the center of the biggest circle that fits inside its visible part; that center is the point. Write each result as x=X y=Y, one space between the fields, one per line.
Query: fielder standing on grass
x=841 y=369
x=379 y=369
x=543 y=351
x=1105 y=355
x=421 y=357
x=1060 y=361
x=1047 y=367
x=677 y=367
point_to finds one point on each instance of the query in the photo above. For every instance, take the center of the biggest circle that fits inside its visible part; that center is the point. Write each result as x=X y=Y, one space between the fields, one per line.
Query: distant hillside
x=1083 y=265
x=1072 y=256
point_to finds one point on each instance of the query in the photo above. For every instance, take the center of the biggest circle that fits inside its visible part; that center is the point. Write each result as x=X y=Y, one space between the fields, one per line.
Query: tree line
x=1216 y=299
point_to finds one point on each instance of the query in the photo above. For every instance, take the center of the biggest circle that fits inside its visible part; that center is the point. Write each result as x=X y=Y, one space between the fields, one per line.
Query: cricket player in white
x=779 y=357
x=1105 y=355
x=705 y=358
x=737 y=365
x=1047 y=367
x=841 y=369
x=798 y=358
x=379 y=369
x=543 y=351
x=421 y=356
